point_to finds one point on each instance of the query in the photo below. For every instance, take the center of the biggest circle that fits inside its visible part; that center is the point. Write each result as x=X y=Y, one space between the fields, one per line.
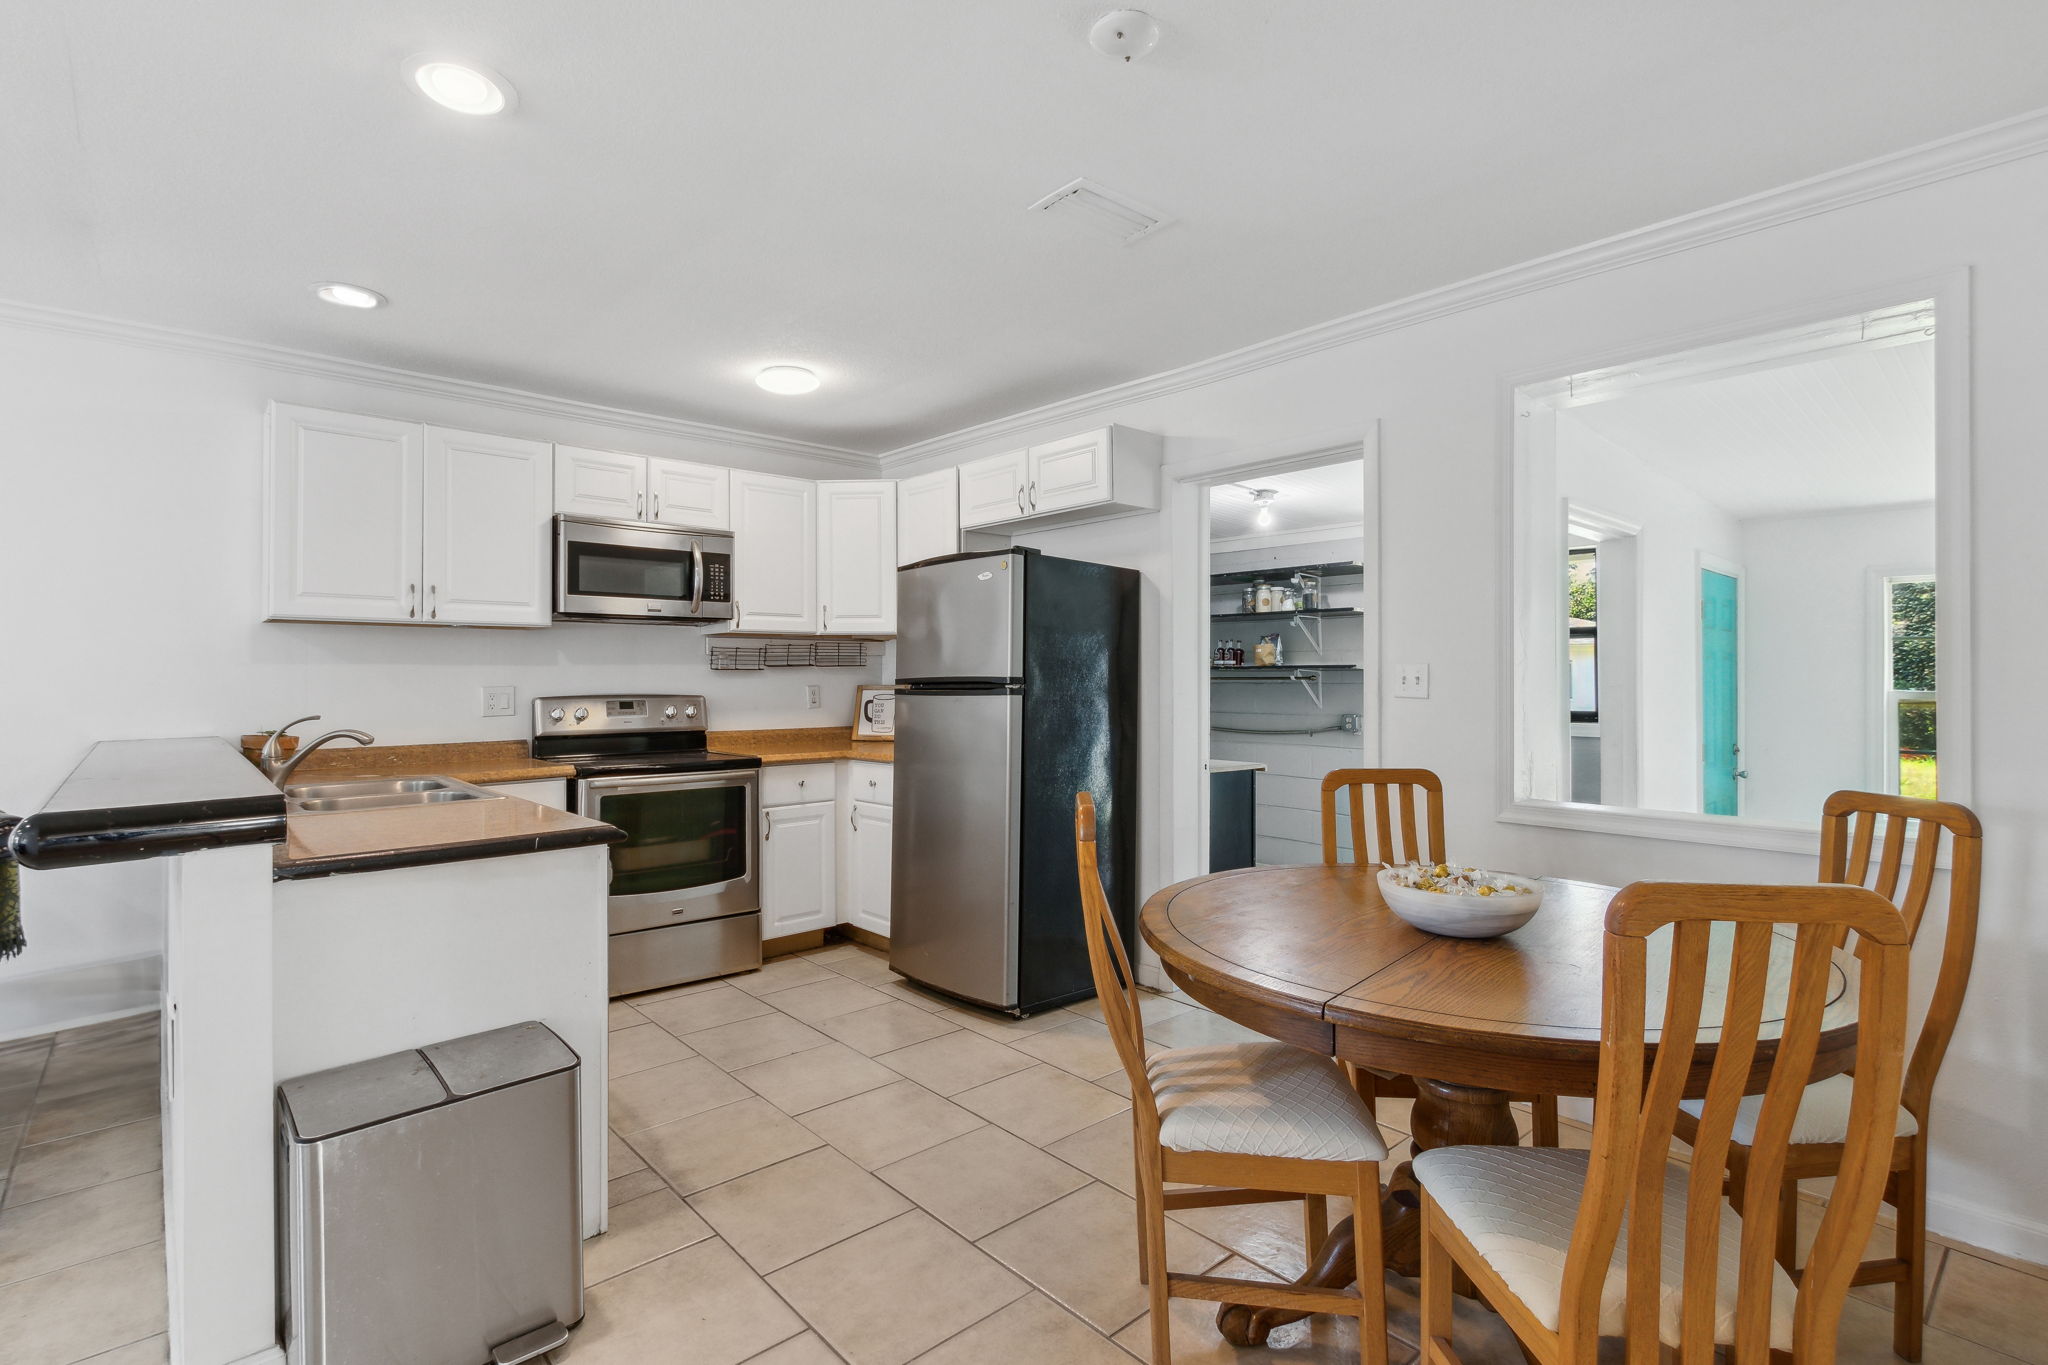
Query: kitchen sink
x=316 y=798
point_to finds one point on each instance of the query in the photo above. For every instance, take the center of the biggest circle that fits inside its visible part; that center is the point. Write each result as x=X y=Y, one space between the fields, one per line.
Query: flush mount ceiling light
x=1262 y=498
x=347 y=295
x=787 y=379
x=462 y=86
x=1125 y=33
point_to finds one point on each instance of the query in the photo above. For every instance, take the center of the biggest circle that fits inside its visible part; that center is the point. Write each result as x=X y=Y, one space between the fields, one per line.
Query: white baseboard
x=36 y=1003
x=1972 y=1225
x=269 y=1355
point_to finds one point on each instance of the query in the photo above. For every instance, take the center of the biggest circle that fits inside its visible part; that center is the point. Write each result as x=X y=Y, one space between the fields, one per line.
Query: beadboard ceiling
x=1308 y=500
x=1852 y=430
x=689 y=191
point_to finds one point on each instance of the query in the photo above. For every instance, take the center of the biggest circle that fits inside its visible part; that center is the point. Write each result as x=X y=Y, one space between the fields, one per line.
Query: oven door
x=622 y=571
x=689 y=847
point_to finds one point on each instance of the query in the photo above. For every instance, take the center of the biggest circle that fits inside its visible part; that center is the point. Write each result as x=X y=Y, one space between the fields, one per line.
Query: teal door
x=1718 y=738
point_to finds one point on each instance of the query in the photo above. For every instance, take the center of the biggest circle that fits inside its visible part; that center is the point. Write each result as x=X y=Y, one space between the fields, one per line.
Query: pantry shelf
x=1310 y=678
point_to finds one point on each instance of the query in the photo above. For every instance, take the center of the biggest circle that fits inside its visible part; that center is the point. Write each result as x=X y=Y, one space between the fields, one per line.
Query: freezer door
x=953 y=896
x=961 y=619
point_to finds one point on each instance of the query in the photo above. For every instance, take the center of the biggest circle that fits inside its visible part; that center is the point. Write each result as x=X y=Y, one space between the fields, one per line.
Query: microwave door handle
x=696 y=576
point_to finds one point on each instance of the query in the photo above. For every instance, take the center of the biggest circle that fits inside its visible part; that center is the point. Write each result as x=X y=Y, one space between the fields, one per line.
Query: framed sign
x=874 y=712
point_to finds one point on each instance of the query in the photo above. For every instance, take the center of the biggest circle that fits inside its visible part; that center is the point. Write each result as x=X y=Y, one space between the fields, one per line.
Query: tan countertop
x=317 y=845
x=480 y=761
x=812 y=744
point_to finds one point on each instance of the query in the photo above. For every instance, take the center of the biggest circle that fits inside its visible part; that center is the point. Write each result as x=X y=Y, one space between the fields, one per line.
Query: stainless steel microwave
x=632 y=571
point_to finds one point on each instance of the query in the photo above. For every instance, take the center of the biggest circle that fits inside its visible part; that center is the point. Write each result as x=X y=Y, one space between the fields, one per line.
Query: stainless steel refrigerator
x=1016 y=687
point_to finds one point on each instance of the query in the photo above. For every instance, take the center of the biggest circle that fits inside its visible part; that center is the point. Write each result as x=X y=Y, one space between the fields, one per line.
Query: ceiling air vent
x=1101 y=211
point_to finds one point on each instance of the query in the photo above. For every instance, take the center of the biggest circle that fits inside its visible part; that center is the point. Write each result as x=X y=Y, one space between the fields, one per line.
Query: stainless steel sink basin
x=316 y=798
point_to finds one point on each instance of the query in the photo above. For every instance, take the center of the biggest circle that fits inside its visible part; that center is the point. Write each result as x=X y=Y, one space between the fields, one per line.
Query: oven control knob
x=582 y=714
x=668 y=713
x=690 y=712
x=555 y=715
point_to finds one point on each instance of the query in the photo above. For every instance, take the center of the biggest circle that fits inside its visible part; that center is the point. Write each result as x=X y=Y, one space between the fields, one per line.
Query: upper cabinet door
x=928 y=516
x=694 y=495
x=488 y=504
x=343 y=530
x=600 y=483
x=1070 y=473
x=992 y=489
x=857 y=557
x=775 y=553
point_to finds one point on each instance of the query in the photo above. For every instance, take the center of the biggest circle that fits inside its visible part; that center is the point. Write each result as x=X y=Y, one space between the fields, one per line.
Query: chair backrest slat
x=1115 y=983
x=1419 y=837
x=1722 y=939
x=1847 y=821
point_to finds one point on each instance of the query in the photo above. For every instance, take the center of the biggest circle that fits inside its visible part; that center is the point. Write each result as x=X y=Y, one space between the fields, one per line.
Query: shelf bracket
x=1314 y=637
x=1311 y=683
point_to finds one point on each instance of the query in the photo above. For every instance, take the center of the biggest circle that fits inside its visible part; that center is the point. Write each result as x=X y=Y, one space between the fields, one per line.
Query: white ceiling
x=1329 y=497
x=689 y=191
x=1851 y=430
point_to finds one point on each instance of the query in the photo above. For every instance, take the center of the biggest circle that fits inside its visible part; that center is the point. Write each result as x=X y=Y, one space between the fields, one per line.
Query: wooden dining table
x=1312 y=956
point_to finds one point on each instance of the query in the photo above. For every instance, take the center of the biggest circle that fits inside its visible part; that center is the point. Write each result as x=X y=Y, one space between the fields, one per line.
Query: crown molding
x=289 y=361
x=1980 y=149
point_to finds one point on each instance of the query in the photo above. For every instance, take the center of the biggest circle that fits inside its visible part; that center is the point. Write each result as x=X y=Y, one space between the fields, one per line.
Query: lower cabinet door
x=867 y=866
x=797 y=867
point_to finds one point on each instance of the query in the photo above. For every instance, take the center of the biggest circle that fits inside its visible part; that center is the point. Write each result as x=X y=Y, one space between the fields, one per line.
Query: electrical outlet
x=811 y=699
x=1348 y=722
x=501 y=700
x=1412 y=680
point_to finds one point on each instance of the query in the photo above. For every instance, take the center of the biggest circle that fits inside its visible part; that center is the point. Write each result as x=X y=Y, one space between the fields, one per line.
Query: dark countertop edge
x=380 y=860
x=232 y=805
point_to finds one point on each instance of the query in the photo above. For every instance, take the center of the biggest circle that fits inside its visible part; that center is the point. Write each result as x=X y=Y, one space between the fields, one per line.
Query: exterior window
x=1910 y=762
x=1583 y=624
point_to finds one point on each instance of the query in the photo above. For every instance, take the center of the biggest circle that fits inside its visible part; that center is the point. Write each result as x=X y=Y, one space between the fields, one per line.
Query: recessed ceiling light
x=787 y=379
x=1125 y=33
x=462 y=86
x=348 y=295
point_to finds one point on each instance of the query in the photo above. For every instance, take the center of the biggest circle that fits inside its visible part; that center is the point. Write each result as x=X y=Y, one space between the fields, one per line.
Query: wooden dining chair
x=1863 y=843
x=1540 y=1232
x=1392 y=793
x=1247 y=1123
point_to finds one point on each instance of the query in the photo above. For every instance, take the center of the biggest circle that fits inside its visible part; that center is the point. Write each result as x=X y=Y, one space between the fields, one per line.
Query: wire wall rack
x=789 y=654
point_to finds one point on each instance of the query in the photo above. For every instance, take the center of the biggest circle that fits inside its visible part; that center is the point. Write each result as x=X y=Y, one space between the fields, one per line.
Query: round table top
x=1312 y=955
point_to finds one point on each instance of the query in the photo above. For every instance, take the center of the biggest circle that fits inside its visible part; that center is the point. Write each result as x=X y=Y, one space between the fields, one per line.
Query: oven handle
x=696 y=575
x=725 y=777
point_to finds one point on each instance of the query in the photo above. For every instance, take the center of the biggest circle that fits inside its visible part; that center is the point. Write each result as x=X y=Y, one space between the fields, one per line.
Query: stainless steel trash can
x=430 y=1204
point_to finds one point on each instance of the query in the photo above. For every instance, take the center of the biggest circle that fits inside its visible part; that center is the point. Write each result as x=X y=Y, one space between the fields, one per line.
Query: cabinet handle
x=767 y=828
x=1034 y=495
x=433 y=609
x=657 y=507
x=856 y=817
x=640 y=506
x=1020 y=500
x=412 y=600
x=803 y=781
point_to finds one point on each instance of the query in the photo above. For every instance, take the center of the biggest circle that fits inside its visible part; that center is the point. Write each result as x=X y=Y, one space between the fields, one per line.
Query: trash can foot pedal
x=529 y=1344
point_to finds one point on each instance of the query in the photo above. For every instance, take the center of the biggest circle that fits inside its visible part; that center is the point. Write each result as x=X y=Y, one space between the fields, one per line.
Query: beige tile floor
x=870 y=1176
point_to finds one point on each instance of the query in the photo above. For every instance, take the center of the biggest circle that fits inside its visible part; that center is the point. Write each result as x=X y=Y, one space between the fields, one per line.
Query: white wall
x=130 y=550
x=1677 y=526
x=1811 y=650
x=1438 y=389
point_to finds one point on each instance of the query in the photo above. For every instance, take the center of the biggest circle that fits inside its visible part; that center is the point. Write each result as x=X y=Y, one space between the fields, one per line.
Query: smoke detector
x=1101 y=210
x=1125 y=33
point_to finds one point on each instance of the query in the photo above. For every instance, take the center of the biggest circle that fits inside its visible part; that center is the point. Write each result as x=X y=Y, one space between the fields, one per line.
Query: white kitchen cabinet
x=621 y=487
x=342 y=516
x=484 y=555
x=992 y=489
x=798 y=861
x=698 y=496
x=1109 y=472
x=928 y=516
x=868 y=837
x=857 y=557
x=552 y=792
x=775 y=553
x=600 y=483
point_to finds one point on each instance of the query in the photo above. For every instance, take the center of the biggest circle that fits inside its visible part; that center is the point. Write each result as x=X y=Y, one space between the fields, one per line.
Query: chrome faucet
x=278 y=769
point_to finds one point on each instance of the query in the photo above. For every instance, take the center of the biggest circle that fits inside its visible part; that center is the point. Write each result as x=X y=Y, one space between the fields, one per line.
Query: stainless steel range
x=685 y=887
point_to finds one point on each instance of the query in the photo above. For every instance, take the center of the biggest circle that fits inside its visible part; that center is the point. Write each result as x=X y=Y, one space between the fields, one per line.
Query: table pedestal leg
x=1445 y=1115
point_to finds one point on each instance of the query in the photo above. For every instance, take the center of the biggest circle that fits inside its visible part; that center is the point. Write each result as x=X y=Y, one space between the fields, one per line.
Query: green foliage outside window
x=1583 y=595
x=1913 y=669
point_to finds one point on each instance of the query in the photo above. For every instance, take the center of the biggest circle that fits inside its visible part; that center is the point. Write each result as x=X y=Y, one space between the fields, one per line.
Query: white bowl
x=1437 y=912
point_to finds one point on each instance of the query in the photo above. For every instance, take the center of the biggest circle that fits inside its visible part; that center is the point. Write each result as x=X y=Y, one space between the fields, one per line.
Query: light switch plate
x=1412 y=680
x=501 y=700
x=811 y=699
